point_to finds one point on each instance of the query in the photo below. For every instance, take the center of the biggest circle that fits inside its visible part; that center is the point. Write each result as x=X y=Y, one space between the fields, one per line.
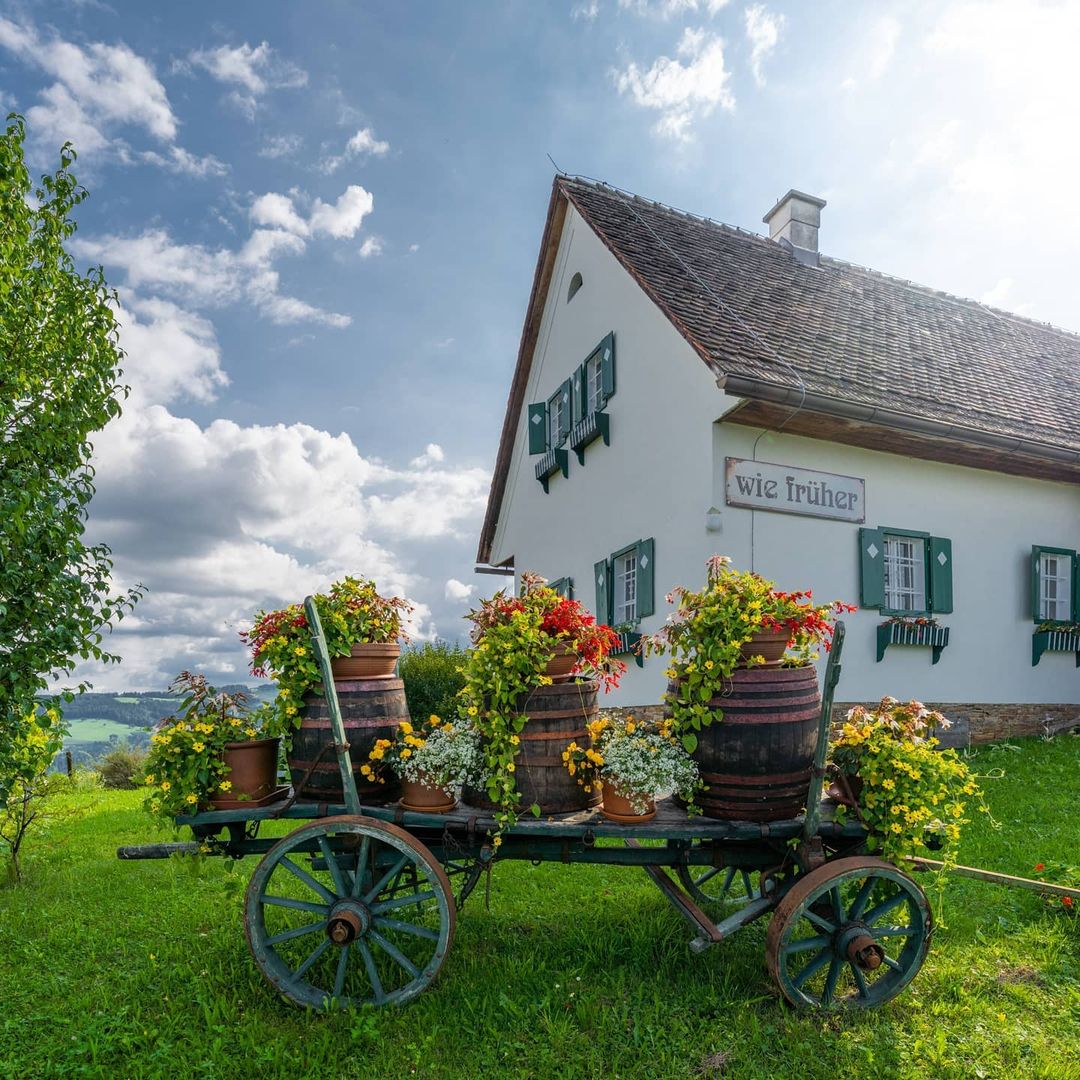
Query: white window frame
x=555 y=408
x=905 y=573
x=1055 y=587
x=594 y=383
x=624 y=587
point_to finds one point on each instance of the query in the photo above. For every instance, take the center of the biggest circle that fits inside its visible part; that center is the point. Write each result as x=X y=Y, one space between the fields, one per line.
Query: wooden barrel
x=557 y=717
x=756 y=761
x=371 y=709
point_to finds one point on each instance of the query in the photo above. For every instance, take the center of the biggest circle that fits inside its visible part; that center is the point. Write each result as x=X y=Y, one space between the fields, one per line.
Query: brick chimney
x=794 y=222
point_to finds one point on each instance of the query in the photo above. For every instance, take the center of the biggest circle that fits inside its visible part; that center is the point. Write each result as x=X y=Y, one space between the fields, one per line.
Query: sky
x=322 y=220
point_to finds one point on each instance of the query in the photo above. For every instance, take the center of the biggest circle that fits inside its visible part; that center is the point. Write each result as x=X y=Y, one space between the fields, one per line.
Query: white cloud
x=414 y=248
x=668 y=9
x=458 y=591
x=361 y=144
x=587 y=10
x=254 y=70
x=278 y=212
x=100 y=87
x=281 y=146
x=372 y=246
x=433 y=455
x=763 y=30
x=341 y=219
x=682 y=92
x=875 y=52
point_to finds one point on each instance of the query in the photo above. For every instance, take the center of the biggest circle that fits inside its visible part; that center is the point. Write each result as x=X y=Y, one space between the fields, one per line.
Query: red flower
x=1067 y=901
x=1040 y=866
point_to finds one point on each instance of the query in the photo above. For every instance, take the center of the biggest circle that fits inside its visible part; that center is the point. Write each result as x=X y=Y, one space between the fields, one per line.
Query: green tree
x=59 y=383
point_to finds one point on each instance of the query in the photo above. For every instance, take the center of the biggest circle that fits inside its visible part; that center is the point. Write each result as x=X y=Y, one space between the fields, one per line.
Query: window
x=624 y=579
x=575 y=283
x=549 y=421
x=594 y=380
x=904 y=572
x=1054 y=591
x=594 y=387
x=564 y=586
x=624 y=584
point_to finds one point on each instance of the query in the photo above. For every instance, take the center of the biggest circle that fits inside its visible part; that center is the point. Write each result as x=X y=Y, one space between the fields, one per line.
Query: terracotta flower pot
x=426 y=798
x=562 y=663
x=847 y=790
x=770 y=644
x=367 y=661
x=252 y=772
x=618 y=808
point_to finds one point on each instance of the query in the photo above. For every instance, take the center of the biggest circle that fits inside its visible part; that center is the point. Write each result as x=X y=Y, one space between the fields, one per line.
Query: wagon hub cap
x=862 y=950
x=348 y=920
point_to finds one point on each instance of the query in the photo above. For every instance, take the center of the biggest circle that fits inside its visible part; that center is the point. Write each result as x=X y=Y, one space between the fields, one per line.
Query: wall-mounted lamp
x=714 y=520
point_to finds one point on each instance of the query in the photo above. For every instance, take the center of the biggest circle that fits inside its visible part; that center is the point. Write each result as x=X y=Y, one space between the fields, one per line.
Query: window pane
x=626 y=588
x=1055 y=576
x=595 y=383
x=905 y=573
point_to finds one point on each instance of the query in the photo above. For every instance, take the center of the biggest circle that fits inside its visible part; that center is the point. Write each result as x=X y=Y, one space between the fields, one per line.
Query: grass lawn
x=89 y=729
x=117 y=970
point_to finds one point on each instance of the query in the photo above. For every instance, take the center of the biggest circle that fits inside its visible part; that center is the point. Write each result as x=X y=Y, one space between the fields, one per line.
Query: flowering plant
x=639 y=759
x=185 y=766
x=351 y=613
x=912 y=797
x=1057 y=873
x=514 y=638
x=439 y=753
x=706 y=634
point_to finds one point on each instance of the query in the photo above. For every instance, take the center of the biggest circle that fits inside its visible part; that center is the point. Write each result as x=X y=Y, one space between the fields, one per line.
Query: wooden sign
x=762 y=485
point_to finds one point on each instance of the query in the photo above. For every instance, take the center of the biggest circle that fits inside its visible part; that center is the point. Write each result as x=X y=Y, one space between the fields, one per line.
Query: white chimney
x=794 y=222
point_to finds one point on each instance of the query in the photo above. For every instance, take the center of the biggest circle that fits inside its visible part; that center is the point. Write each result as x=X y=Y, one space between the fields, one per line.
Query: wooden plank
x=996 y=878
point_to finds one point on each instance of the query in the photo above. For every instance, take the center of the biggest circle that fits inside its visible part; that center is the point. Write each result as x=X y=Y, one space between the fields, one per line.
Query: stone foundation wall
x=971 y=723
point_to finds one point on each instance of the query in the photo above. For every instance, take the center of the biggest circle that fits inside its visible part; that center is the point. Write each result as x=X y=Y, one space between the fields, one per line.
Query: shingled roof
x=847 y=333
x=870 y=350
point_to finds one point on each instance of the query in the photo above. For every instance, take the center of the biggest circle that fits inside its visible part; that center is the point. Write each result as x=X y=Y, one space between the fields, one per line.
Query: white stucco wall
x=664 y=469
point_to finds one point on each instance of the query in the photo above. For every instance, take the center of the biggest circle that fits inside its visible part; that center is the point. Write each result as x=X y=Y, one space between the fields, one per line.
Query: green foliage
x=121 y=768
x=351 y=613
x=433 y=674
x=185 y=764
x=25 y=757
x=59 y=366
x=911 y=792
x=706 y=635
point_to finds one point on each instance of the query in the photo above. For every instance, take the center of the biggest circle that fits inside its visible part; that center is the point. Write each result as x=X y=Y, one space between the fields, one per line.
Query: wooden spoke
x=402 y=901
x=394 y=953
x=306 y=966
x=296 y=905
x=373 y=975
x=342 y=971
x=360 y=874
x=807 y=944
x=295 y=932
x=332 y=865
x=391 y=873
x=308 y=880
x=813 y=967
x=407 y=928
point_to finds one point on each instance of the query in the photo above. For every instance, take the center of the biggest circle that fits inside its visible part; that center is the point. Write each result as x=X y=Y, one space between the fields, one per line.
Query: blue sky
x=323 y=219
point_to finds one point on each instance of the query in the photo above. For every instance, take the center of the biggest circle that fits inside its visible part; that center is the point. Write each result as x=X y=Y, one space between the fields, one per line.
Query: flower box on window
x=630 y=643
x=899 y=632
x=552 y=462
x=1066 y=639
x=589 y=428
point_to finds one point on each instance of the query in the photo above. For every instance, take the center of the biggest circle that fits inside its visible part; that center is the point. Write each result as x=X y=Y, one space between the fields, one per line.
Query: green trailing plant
x=351 y=613
x=185 y=765
x=59 y=383
x=912 y=797
x=706 y=634
x=25 y=783
x=514 y=637
x=433 y=674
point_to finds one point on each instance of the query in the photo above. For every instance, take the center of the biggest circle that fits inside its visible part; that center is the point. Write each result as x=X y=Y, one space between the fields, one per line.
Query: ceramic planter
x=253 y=773
x=367 y=661
x=562 y=663
x=618 y=808
x=770 y=644
x=426 y=798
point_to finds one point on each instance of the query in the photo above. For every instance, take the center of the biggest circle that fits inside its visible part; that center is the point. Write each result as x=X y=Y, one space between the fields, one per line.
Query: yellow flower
x=191 y=799
x=250 y=732
x=291 y=710
x=283 y=692
x=708 y=665
x=149 y=778
x=434 y=720
x=511 y=767
x=225 y=785
x=365 y=770
x=515 y=739
x=405 y=727
x=406 y=753
x=631 y=727
x=300 y=650
x=473 y=710
x=165 y=785
x=198 y=747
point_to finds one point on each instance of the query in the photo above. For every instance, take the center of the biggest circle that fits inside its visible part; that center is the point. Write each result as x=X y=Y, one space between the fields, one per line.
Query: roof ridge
x=749 y=234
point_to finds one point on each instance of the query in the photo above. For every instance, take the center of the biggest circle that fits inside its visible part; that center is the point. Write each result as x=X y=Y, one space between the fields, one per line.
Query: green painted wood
x=828 y=689
x=602 y=581
x=538 y=428
x=941 y=575
x=871 y=568
x=814 y=938
x=646 y=577
x=607 y=366
x=1043 y=641
x=383 y=887
x=566 y=394
x=318 y=643
x=936 y=637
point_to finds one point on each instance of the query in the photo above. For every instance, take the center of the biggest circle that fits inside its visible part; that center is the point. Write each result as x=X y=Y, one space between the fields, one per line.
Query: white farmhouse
x=685 y=388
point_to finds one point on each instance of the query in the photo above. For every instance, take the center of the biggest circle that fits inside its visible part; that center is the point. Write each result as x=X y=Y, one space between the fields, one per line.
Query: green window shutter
x=1036 y=583
x=565 y=419
x=581 y=393
x=646 y=592
x=940 y=575
x=601 y=573
x=607 y=366
x=564 y=586
x=871 y=568
x=538 y=428
x=1076 y=588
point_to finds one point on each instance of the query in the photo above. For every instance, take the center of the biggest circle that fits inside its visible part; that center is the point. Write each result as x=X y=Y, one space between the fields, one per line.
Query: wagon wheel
x=853 y=932
x=349 y=911
x=728 y=886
